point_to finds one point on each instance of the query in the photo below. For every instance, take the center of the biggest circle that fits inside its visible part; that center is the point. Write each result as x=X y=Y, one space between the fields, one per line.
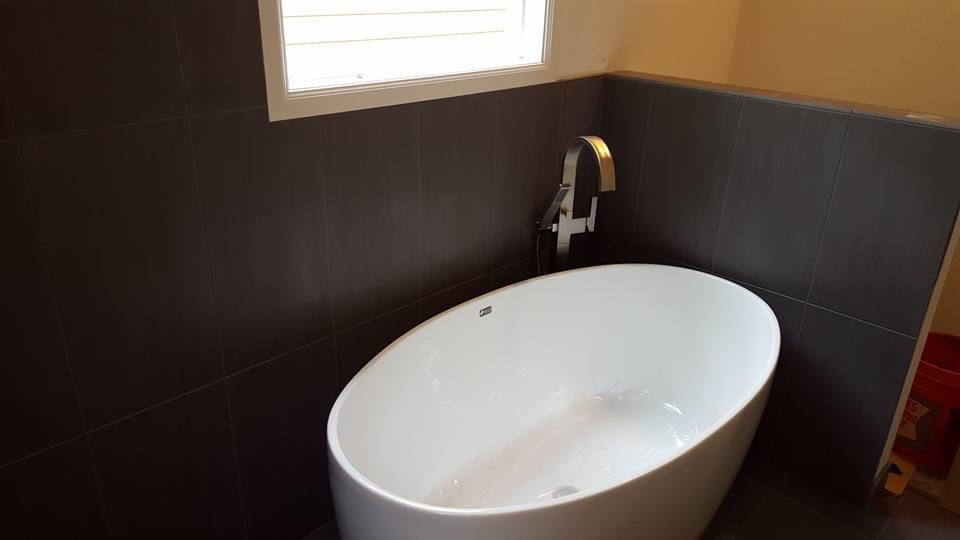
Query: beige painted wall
x=903 y=54
x=896 y=53
x=684 y=38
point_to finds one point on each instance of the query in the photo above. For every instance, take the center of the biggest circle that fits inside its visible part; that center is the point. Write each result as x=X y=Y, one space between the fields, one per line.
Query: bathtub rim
x=335 y=451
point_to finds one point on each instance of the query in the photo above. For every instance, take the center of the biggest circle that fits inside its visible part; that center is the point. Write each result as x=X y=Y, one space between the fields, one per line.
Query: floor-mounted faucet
x=563 y=200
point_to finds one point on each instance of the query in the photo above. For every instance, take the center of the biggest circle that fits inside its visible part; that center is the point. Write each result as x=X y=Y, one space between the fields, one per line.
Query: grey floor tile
x=742 y=502
x=762 y=472
x=919 y=518
x=783 y=519
x=868 y=521
x=327 y=532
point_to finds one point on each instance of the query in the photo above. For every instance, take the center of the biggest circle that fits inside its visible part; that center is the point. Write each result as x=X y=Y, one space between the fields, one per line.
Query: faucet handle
x=545 y=223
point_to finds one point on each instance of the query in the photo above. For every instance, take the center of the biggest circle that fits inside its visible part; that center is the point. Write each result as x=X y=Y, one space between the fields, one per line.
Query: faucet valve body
x=563 y=200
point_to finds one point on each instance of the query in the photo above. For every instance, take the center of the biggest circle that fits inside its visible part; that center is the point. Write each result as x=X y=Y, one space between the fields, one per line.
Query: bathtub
x=606 y=403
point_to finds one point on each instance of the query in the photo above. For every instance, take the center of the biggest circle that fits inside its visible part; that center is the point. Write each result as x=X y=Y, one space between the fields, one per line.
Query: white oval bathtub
x=611 y=402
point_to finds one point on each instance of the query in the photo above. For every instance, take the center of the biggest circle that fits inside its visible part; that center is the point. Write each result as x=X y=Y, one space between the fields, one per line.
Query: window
x=336 y=43
x=329 y=48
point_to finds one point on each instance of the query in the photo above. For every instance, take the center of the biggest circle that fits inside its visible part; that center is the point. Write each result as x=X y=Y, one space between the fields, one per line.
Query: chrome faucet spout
x=607 y=179
x=566 y=194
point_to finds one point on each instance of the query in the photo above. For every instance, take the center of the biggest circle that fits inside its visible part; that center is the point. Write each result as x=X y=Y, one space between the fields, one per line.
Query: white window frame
x=283 y=104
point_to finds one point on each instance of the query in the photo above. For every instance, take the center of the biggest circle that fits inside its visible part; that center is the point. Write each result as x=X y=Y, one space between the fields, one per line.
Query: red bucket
x=929 y=431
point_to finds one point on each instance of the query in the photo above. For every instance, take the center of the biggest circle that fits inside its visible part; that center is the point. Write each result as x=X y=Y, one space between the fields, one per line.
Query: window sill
x=284 y=106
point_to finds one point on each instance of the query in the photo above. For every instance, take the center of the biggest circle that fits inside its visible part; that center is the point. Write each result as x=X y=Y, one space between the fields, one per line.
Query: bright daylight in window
x=342 y=43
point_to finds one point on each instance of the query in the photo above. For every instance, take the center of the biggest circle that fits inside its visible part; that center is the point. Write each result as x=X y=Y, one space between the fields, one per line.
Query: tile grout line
x=635 y=217
x=211 y=260
x=8 y=110
x=138 y=412
x=359 y=324
x=111 y=423
x=154 y=406
x=231 y=424
x=285 y=354
x=327 y=248
x=137 y=123
x=493 y=234
x=868 y=323
x=726 y=187
x=824 y=516
x=893 y=513
x=184 y=92
x=754 y=514
x=367 y=321
x=488 y=238
x=780 y=294
x=826 y=216
x=328 y=241
x=462 y=283
x=418 y=110
x=98 y=482
x=51 y=290
x=84 y=424
x=328 y=522
x=780 y=482
x=43 y=450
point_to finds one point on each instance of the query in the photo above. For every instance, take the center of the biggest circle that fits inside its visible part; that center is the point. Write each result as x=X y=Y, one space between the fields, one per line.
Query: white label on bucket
x=912 y=414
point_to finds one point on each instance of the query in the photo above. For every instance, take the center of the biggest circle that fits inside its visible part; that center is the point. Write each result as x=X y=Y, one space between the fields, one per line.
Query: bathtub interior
x=572 y=382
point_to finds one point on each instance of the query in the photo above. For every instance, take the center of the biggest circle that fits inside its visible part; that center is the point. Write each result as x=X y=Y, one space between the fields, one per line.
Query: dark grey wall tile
x=263 y=199
x=844 y=385
x=454 y=296
x=784 y=519
x=592 y=249
x=38 y=406
x=513 y=273
x=119 y=217
x=582 y=115
x=221 y=53
x=582 y=108
x=789 y=312
x=919 y=518
x=780 y=185
x=646 y=256
x=360 y=344
x=52 y=495
x=91 y=63
x=374 y=218
x=169 y=472
x=687 y=160
x=626 y=117
x=458 y=166
x=741 y=503
x=280 y=417
x=528 y=167
x=6 y=120
x=892 y=214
